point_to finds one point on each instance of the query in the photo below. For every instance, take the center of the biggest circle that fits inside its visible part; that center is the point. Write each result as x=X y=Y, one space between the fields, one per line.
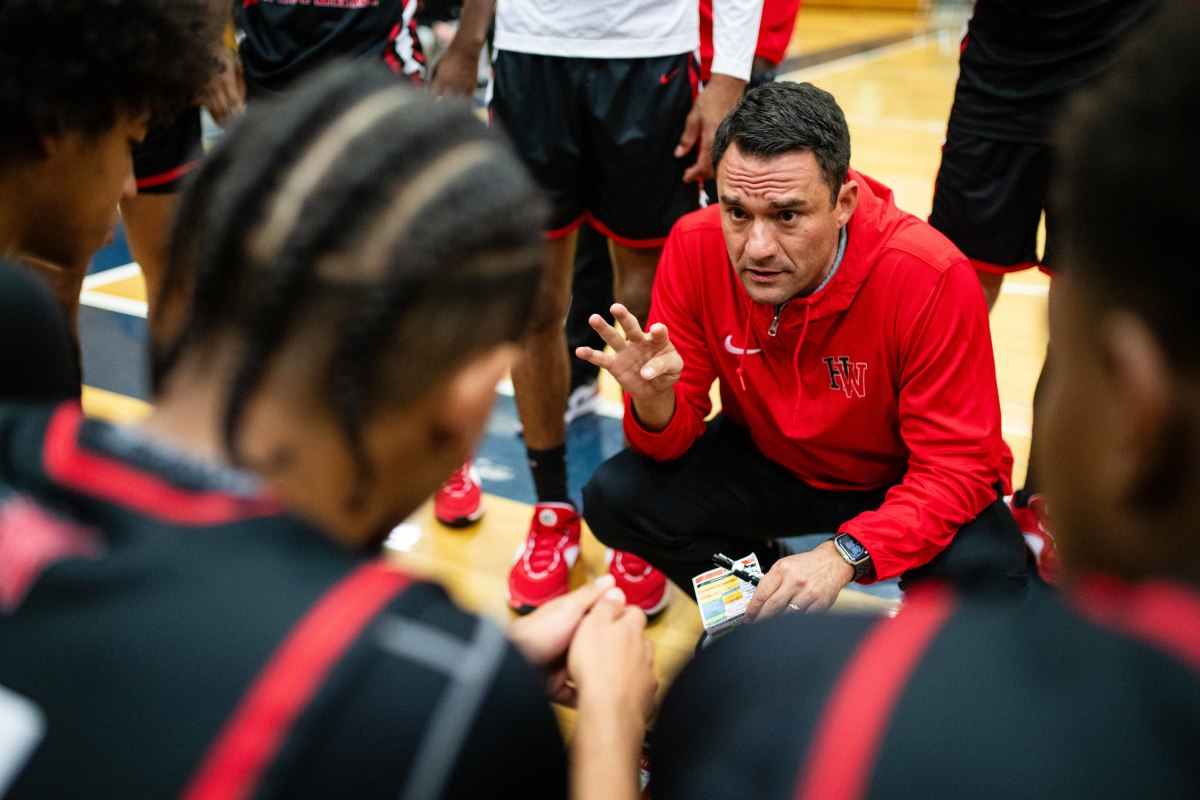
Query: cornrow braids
x=390 y=235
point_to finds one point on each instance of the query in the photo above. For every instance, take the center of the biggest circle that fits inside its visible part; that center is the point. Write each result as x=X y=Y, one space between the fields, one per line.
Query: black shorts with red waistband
x=599 y=136
x=989 y=198
x=169 y=152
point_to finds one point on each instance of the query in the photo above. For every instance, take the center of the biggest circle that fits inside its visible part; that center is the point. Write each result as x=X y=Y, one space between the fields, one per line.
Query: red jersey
x=884 y=377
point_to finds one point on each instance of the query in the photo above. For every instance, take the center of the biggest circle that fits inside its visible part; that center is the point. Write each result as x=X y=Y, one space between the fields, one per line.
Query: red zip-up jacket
x=884 y=377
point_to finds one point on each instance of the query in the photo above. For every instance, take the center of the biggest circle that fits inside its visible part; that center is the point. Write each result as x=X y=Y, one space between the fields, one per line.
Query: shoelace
x=459 y=482
x=547 y=542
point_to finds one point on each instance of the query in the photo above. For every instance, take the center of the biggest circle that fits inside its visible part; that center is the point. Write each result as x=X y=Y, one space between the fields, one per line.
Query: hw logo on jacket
x=849 y=376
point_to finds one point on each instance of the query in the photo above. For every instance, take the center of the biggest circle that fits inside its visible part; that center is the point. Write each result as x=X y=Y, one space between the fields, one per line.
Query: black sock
x=549 y=468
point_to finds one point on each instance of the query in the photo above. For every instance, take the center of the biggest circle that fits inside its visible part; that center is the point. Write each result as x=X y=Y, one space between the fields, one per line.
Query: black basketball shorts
x=989 y=196
x=598 y=135
x=170 y=151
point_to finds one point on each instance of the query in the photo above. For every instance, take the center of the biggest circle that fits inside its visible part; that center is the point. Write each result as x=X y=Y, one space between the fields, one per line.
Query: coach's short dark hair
x=1127 y=188
x=379 y=235
x=782 y=117
x=72 y=65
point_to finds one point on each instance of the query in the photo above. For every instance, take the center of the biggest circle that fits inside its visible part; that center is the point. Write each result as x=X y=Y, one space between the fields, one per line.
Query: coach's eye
x=788 y=216
x=736 y=213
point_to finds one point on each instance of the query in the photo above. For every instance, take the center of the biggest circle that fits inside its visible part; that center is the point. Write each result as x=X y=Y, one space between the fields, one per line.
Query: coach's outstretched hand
x=644 y=363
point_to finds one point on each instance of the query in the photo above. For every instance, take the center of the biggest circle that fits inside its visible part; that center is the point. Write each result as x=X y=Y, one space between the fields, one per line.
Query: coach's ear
x=847 y=201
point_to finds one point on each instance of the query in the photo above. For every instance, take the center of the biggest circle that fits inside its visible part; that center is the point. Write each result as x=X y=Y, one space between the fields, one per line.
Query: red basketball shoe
x=1031 y=519
x=459 y=502
x=542 y=566
x=643 y=585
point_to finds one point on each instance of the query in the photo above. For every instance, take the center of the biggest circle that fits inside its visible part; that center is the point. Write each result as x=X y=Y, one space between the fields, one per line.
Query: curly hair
x=376 y=234
x=73 y=65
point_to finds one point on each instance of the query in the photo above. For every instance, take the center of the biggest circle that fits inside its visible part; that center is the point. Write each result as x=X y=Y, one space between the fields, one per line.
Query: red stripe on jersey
x=166 y=177
x=239 y=757
x=848 y=735
x=1160 y=613
x=117 y=482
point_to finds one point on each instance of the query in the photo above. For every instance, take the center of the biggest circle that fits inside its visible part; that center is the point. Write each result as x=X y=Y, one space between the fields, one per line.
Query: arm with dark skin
x=457 y=72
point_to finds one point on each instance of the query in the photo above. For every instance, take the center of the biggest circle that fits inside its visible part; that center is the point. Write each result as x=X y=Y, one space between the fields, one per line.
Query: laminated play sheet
x=722 y=596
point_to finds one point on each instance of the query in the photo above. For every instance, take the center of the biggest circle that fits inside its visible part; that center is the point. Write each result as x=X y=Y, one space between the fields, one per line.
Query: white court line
x=858 y=59
x=111 y=302
x=112 y=275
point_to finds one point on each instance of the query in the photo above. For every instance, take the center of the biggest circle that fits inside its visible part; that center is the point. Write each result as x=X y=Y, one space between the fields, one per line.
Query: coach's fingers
x=600 y=358
x=628 y=323
x=608 y=333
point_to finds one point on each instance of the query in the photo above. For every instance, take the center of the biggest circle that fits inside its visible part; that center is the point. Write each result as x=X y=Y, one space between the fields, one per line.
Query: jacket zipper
x=775 y=322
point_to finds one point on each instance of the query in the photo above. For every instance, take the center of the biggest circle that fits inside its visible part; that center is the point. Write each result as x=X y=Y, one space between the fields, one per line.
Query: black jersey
x=38 y=359
x=1020 y=58
x=166 y=631
x=1092 y=696
x=282 y=40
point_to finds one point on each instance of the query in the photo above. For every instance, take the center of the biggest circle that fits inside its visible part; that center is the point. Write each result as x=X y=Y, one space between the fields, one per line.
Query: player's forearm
x=604 y=752
x=473 y=24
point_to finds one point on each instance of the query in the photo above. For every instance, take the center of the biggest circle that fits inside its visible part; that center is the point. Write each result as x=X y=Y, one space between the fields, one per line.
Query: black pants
x=724 y=496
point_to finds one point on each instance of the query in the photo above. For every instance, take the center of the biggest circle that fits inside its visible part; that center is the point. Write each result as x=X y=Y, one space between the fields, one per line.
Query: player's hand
x=644 y=363
x=225 y=95
x=803 y=582
x=545 y=635
x=456 y=73
x=612 y=663
x=719 y=97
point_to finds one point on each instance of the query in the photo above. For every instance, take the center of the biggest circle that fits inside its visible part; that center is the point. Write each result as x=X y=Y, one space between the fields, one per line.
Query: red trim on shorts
x=847 y=738
x=570 y=227
x=167 y=177
x=252 y=737
x=114 y=481
x=1162 y=614
x=624 y=241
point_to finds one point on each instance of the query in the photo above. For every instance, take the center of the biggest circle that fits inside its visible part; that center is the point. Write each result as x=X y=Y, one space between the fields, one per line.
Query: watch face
x=851 y=547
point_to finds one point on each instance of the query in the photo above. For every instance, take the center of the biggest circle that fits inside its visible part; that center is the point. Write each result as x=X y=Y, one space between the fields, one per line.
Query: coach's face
x=779 y=221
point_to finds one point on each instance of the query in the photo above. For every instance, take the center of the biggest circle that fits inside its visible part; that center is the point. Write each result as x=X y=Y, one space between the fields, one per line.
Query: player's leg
x=534 y=99
x=638 y=108
x=591 y=292
x=988 y=202
x=160 y=164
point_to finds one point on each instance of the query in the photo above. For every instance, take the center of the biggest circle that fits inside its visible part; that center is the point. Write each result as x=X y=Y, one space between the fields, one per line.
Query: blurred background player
x=1089 y=693
x=1019 y=60
x=191 y=605
x=81 y=85
x=602 y=107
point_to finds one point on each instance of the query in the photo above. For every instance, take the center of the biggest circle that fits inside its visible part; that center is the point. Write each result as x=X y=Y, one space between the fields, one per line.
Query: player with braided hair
x=345 y=331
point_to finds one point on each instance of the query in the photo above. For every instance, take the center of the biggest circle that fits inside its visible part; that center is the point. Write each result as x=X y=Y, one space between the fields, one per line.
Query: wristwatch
x=854 y=554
